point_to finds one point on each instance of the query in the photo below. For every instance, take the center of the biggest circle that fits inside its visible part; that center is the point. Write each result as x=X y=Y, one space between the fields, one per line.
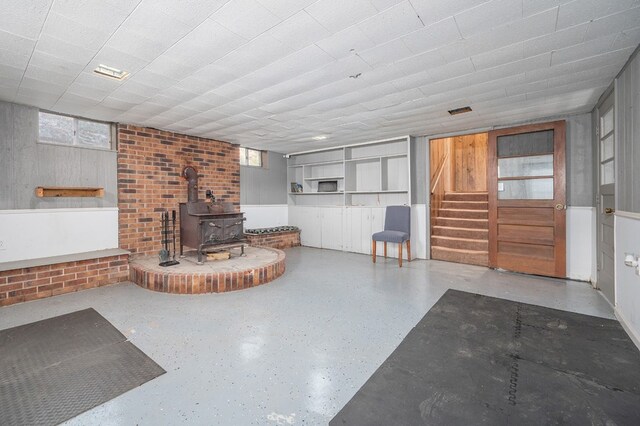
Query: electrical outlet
x=3 y=245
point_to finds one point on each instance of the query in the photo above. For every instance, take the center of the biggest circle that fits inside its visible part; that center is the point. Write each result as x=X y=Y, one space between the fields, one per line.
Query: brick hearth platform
x=260 y=265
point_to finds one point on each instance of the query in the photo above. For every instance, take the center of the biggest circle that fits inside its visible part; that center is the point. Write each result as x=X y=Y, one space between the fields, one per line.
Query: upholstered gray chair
x=397 y=229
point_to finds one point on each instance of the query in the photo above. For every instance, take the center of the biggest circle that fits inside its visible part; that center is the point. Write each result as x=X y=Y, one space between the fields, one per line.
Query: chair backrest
x=398 y=218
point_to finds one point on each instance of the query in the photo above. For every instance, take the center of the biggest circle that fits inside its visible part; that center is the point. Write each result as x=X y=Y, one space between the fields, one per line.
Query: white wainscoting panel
x=32 y=234
x=580 y=241
x=627 y=240
x=265 y=216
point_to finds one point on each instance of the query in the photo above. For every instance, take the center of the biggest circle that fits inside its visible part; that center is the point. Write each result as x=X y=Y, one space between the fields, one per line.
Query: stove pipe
x=191 y=175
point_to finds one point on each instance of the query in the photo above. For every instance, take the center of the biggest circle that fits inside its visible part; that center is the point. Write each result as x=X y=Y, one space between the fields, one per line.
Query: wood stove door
x=233 y=228
x=212 y=231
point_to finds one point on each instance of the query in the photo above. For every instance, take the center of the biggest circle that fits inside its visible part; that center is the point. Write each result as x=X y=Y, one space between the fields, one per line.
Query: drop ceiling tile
x=47 y=75
x=249 y=57
x=381 y=5
x=13 y=59
x=556 y=40
x=190 y=12
x=394 y=22
x=151 y=23
x=452 y=70
x=89 y=92
x=488 y=15
x=580 y=11
x=579 y=51
x=336 y=15
x=433 y=11
x=346 y=42
x=24 y=17
x=494 y=58
x=63 y=50
x=55 y=64
x=299 y=31
x=152 y=79
x=247 y=18
x=135 y=44
x=116 y=59
x=386 y=53
x=421 y=62
x=615 y=23
x=16 y=44
x=10 y=76
x=36 y=98
x=62 y=28
x=285 y=8
x=436 y=35
x=627 y=38
x=98 y=15
x=170 y=67
x=205 y=44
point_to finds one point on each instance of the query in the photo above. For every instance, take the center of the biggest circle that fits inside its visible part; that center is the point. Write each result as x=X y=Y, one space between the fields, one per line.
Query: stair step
x=451 y=231
x=466 y=196
x=462 y=222
x=471 y=257
x=469 y=205
x=464 y=213
x=460 y=243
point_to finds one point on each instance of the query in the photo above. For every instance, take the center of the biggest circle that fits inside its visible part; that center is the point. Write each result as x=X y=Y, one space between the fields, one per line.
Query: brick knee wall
x=278 y=240
x=21 y=285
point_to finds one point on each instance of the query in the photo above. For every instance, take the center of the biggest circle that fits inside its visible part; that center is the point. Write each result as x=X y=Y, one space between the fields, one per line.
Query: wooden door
x=606 y=199
x=527 y=211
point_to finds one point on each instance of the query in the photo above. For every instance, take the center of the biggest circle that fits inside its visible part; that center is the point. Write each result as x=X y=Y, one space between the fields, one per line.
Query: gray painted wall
x=265 y=185
x=627 y=111
x=419 y=146
x=26 y=164
x=579 y=159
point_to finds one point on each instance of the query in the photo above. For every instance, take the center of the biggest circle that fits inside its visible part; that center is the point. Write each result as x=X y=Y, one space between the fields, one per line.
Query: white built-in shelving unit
x=369 y=176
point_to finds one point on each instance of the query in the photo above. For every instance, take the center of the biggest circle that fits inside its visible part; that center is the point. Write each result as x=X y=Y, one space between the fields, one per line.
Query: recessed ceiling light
x=111 y=72
x=319 y=138
x=460 y=110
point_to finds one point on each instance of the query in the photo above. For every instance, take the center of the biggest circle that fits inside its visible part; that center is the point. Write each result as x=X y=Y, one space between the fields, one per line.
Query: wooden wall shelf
x=62 y=191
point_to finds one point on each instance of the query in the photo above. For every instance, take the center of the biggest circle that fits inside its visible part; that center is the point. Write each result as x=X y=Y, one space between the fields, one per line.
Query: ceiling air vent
x=111 y=72
x=460 y=110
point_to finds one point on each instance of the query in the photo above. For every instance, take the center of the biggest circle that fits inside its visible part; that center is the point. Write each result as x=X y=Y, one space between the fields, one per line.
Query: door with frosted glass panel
x=527 y=199
x=606 y=198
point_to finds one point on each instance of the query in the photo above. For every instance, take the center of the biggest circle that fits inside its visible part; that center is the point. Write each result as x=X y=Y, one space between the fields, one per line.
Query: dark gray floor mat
x=55 y=369
x=480 y=360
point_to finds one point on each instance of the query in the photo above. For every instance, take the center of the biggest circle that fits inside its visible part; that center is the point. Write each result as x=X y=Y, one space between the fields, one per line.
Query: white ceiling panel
x=24 y=17
x=336 y=15
x=299 y=31
x=275 y=73
x=247 y=18
x=394 y=22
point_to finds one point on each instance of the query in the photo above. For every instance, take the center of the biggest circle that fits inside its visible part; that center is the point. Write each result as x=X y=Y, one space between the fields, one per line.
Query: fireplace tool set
x=166 y=259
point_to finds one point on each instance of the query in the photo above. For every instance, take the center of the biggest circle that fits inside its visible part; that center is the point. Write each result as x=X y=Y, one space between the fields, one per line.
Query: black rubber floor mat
x=55 y=369
x=480 y=360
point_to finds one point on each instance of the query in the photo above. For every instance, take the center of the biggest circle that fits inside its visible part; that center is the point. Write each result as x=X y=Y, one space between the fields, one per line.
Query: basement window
x=250 y=157
x=65 y=130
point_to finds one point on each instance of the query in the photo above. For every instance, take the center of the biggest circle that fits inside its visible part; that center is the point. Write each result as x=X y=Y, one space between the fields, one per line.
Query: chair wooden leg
x=408 y=250
x=373 y=250
x=400 y=254
x=385 y=249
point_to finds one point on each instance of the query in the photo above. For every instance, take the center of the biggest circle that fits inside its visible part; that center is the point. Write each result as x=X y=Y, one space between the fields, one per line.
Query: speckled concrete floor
x=293 y=351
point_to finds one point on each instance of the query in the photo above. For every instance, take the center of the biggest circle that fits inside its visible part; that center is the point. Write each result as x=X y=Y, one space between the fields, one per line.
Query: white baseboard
x=635 y=337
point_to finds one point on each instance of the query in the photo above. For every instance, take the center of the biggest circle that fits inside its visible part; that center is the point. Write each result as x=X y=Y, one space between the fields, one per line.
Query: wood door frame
x=559 y=189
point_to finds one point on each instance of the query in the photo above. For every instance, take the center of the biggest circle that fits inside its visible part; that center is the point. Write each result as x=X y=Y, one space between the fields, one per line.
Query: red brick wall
x=21 y=285
x=150 y=162
x=278 y=240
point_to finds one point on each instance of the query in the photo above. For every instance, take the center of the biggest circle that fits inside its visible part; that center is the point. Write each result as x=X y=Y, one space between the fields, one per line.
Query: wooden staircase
x=460 y=232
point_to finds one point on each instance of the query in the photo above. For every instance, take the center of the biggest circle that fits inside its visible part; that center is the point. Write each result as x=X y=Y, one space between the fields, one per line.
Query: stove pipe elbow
x=191 y=175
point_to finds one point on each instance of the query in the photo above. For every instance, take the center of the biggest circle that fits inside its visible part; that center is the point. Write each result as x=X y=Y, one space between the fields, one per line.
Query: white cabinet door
x=308 y=220
x=331 y=227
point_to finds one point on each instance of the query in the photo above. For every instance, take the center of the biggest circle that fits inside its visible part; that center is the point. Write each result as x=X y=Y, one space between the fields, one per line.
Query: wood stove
x=207 y=226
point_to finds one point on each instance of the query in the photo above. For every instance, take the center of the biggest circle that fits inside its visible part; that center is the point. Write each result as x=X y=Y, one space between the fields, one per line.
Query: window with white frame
x=65 y=130
x=250 y=157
